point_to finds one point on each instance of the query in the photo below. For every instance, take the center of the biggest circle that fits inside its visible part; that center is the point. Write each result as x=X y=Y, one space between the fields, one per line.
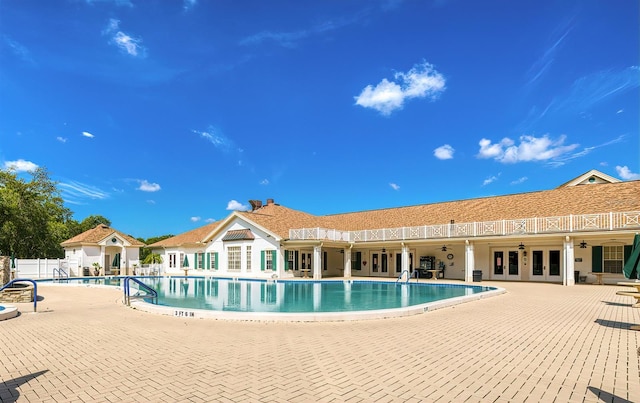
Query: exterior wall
x=263 y=241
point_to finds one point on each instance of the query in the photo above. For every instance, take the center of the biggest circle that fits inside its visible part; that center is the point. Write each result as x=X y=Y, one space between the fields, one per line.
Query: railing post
x=570 y=222
x=611 y=220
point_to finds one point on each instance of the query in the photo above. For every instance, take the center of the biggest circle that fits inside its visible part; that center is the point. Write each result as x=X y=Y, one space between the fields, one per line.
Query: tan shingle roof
x=582 y=199
x=280 y=219
x=189 y=237
x=97 y=234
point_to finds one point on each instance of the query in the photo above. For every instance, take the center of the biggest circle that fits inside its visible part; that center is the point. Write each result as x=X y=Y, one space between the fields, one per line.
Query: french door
x=379 y=264
x=546 y=265
x=506 y=265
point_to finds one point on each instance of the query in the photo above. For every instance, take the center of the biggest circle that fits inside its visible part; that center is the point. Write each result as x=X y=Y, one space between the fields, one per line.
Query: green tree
x=152 y=258
x=33 y=219
x=92 y=221
x=144 y=252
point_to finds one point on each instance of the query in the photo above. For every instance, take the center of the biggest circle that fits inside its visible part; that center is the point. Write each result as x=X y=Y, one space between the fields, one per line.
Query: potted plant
x=96 y=268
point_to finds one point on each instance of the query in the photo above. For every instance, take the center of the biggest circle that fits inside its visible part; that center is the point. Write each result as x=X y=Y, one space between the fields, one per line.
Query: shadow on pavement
x=11 y=394
x=607 y=397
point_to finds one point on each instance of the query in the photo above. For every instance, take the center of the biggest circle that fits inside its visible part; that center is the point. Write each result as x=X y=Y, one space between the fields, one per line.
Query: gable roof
x=97 y=234
x=186 y=238
x=591 y=177
x=279 y=219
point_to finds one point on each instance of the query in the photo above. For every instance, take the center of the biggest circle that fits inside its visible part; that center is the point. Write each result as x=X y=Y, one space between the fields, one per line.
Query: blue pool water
x=220 y=294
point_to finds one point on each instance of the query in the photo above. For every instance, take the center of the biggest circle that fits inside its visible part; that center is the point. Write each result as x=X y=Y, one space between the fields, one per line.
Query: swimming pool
x=294 y=300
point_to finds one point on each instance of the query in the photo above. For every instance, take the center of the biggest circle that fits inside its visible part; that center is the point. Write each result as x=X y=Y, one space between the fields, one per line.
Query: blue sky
x=164 y=115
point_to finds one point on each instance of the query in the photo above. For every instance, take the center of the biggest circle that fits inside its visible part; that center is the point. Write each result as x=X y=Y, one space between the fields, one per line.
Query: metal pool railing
x=61 y=274
x=35 y=289
x=141 y=286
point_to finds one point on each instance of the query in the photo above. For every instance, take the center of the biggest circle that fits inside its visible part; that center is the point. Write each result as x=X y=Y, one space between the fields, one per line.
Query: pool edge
x=192 y=313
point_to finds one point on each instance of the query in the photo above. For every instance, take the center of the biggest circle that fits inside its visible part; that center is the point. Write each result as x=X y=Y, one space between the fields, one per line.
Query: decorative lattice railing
x=524 y=226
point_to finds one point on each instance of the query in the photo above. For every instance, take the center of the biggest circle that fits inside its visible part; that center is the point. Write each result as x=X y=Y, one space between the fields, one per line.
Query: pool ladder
x=150 y=292
x=61 y=274
x=402 y=274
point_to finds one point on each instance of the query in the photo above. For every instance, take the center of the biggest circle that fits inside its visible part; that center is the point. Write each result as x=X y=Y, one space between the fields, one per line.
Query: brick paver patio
x=537 y=342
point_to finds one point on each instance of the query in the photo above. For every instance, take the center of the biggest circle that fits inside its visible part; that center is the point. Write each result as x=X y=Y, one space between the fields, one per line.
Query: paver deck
x=537 y=342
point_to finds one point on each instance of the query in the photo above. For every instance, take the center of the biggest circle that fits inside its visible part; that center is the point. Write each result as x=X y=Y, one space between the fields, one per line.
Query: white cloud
x=147 y=186
x=73 y=192
x=519 y=180
x=125 y=42
x=264 y=182
x=625 y=173
x=530 y=149
x=87 y=134
x=20 y=166
x=210 y=220
x=444 y=152
x=189 y=4
x=291 y=39
x=151 y=201
x=394 y=186
x=217 y=138
x=620 y=111
x=422 y=81
x=19 y=50
x=237 y=206
x=490 y=180
x=195 y=219
x=61 y=139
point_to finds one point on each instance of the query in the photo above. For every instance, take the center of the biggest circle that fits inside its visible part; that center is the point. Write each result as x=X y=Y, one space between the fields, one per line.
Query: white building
x=114 y=252
x=585 y=225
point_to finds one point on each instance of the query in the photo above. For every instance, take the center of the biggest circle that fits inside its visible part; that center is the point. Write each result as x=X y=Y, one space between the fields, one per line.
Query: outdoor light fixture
x=444 y=248
x=384 y=250
x=583 y=245
x=521 y=246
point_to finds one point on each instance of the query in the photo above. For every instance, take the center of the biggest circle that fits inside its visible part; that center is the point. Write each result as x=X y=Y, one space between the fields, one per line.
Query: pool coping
x=193 y=313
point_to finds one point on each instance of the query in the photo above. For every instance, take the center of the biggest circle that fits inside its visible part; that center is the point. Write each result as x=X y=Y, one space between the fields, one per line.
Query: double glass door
x=379 y=264
x=546 y=265
x=506 y=265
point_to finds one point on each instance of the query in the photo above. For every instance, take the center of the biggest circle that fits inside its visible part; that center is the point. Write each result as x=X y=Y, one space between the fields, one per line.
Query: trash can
x=85 y=272
x=576 y=276
x=477 y=276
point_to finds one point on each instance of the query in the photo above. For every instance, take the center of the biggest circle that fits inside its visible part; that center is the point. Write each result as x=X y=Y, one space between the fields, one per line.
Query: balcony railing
x=524 y=226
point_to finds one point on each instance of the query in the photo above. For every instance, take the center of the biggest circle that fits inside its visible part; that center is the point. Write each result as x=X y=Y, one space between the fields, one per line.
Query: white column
x=317 y=262
x=347 y=263
x=282 y=261
x=405 y=260
x=469 y=261
x=568 y=260
x=123 y=258
x=102 y=262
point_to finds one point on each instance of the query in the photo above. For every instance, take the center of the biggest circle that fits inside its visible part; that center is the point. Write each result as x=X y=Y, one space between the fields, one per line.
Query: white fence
x=41 y=268
x=44 y=268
